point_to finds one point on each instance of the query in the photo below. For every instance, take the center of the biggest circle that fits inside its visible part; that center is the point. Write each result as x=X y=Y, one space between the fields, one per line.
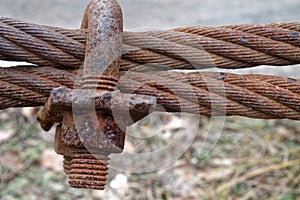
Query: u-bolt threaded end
x=67 y=164
x=88 y=171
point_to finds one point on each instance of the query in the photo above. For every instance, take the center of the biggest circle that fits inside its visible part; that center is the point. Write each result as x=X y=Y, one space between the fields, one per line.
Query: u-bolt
x=87 y=132
x=86 y=145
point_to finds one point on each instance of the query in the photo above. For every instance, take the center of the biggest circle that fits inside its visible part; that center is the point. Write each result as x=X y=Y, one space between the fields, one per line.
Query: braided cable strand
x=39 y=40
x=237 y=46
x=221 y=49
x=255 y=96
x=256 y=42
x=289 y=35
x=239 y=95
x=30 y=86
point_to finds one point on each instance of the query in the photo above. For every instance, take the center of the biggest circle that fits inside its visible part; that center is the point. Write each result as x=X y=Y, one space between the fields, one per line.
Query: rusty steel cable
x=255 y=96
x=233 y=47
x=86 y=79
x=30 y=86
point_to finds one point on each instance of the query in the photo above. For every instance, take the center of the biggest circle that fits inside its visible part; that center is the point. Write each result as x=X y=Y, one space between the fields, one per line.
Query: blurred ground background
x=253 y=159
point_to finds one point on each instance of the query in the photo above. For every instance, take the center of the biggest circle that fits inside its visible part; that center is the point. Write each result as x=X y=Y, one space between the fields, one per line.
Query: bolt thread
x=88 y=171
x=67 y=164
x=100 y=82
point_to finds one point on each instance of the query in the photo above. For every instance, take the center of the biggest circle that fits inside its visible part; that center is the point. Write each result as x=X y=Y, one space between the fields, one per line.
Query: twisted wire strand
x=288 y=35
x=287 y=25
x=235 y=93
x=12 y=52
x=237 y=46
x=209 y=93
x=259 y=43
x=48 y=35
x=197 y=56
x=20 y=93
x=287 y=83
x=39 y=40
x=7 y=102
x=30 y=86
x=228 y=50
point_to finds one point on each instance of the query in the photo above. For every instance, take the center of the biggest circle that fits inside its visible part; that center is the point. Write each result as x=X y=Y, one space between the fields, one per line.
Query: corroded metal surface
x=231 y=47
x=79 y=132
x=100 y=74
x=103 y=48
x=63 y=98
x=148 y=84
x=85 y=113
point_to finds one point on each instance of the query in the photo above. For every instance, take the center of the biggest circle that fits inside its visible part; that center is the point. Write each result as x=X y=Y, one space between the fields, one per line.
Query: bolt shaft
x=103 y=18
x=88 y=171
x=103 y=49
